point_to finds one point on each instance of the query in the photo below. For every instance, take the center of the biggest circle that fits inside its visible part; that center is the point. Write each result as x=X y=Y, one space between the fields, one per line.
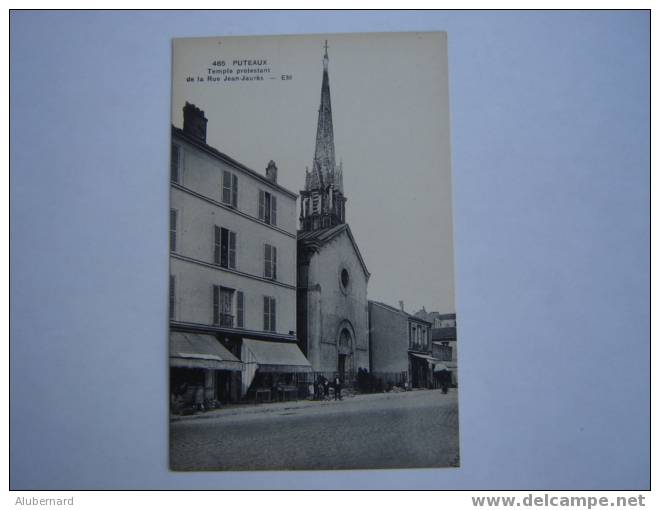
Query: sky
x=390 y=107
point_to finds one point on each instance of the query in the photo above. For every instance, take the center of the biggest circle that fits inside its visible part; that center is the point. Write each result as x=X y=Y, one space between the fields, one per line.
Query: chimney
x=401 y=306
x=271 y=171
x=194 y=122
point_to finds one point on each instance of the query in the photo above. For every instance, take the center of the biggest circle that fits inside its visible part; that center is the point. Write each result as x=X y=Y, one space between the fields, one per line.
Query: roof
x=229 y=160
x=431 y=316
x=397 y=310
x=318 y=238
x=443 y=334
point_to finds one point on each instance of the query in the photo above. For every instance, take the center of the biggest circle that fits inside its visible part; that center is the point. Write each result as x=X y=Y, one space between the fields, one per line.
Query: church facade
x=332 y=307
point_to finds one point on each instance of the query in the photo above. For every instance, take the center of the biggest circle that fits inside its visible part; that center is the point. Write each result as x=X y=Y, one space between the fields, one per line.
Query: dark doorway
x=341 y=365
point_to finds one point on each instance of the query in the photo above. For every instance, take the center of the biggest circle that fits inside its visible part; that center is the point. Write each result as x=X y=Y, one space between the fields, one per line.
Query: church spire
x=322 y=202
x=324 y=155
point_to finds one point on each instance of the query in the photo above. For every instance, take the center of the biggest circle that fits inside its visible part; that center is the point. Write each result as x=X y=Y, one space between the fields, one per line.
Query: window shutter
x=226 y=187
x=172 y=230
x=267 y=262
x=239 y=310
x=232 y=250
x=172 y=296
x=267 y=207
x=174 y=163
x=261 y=204
x=273 y=252
x=266 y=314
x=216 y=244
x=224 y=247
x=216 y=304
x=234 y=190
x=272 y=314
x=273 y=212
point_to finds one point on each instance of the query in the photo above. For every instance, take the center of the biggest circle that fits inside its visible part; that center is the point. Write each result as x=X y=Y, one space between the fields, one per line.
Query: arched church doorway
x=345 y=355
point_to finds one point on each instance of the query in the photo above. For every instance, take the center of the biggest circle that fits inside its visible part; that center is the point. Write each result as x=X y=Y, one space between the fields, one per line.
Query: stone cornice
x=230 y=209
x=195 y=327
x=232 y=271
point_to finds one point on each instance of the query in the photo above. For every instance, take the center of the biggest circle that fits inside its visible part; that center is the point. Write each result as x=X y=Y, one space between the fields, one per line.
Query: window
x=173 y=218
x=175 y=163
x=224 y=247
x=172 y=296
x=270 y=262
x=240 y=310
x=344 y=278
x=267 y=207
x=229 y=189
x=269 y=313
x=222 y=300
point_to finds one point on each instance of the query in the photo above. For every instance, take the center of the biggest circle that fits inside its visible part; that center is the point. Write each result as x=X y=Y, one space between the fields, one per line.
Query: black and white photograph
x=312 y=322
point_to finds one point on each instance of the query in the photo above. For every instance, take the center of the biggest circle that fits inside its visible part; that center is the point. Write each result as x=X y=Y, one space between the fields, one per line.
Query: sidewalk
x=275 y=407
x=250 y=408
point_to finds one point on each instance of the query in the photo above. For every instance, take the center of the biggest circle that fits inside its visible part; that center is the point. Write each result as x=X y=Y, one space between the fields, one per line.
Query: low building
x=232 y=270
x=445 y=348
x=400 y=346
x=443 y=336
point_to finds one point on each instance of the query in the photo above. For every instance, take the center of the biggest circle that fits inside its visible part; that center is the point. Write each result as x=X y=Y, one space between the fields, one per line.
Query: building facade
x=332 y=275
x=232 y=264
x=443 y=336
x=400 y=343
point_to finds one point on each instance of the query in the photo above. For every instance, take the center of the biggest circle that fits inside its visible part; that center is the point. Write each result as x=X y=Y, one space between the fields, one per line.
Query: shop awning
x=192 y=350
x=424 y=356
x=276 y=356
x=438 y=365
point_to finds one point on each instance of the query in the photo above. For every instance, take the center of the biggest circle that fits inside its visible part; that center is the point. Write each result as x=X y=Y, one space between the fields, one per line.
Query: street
x=384 y=430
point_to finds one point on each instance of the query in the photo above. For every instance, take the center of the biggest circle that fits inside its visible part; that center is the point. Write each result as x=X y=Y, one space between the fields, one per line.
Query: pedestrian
x=319 y=388
x=337 y=385
x=199 y=398
x=326 y=388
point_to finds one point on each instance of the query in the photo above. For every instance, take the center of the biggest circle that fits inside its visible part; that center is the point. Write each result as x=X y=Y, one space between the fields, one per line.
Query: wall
x=329 y=306
x=202 y=173
x=194 y=296
x=196 y=218
x=389 y=339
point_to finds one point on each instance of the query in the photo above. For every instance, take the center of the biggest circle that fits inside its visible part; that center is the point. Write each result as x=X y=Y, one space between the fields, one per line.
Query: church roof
x=318 y=238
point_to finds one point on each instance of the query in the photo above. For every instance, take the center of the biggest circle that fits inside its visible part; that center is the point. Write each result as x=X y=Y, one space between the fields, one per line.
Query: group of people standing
x=322 y=387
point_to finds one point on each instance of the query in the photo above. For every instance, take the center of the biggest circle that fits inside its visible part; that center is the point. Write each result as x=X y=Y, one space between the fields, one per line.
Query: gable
x=318 y=240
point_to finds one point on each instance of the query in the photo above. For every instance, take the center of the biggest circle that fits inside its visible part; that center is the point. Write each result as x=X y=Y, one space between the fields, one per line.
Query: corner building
x=332 y=275
x=232 y=270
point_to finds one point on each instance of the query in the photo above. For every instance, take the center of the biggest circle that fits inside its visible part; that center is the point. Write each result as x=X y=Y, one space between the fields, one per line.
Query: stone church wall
x=331 y=306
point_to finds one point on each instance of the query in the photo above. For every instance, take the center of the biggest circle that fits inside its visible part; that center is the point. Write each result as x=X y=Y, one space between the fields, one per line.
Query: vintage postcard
x=311 y=286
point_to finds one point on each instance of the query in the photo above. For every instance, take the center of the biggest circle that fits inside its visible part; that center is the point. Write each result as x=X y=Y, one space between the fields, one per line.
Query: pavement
x=384 y=430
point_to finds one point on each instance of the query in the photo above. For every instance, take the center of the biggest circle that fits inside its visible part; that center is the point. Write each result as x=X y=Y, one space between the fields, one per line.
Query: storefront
x=272 y=369
x=200 y=370
x=427 y=371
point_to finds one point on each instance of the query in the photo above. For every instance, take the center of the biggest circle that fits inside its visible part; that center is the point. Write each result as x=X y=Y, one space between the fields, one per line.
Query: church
x=332 y=307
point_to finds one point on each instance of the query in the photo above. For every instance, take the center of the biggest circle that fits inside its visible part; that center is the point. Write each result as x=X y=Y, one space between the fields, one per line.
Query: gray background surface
x=550 y=159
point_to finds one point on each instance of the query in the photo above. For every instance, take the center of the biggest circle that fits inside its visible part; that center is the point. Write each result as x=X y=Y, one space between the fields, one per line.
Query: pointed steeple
x=322 y=202
x=324 y=154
